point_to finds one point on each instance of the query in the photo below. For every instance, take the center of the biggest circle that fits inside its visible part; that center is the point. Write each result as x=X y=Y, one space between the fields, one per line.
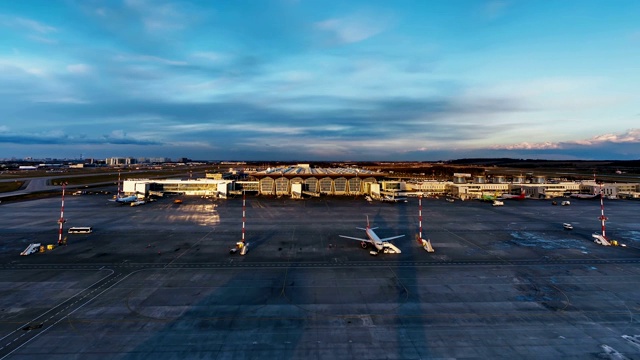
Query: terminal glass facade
x=340 y=186
x=326 y=185
x=282 y=186
x=267 y=186
x=354 y=185
x=312 y=184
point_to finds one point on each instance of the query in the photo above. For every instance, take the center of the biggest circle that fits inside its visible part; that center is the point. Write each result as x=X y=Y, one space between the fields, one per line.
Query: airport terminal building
x=295 y=181
x=303 y=181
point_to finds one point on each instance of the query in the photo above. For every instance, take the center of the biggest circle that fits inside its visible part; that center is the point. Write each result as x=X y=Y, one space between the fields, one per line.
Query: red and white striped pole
x=602 y=217
x=420 y=219
x=243 y=213
x=61 y=220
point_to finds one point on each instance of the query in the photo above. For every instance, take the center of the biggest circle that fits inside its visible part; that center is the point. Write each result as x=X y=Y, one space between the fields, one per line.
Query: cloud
x=60 y=138
x=352 y=29
x=27 y=24
x=528 y=146
x=149 y=59
x=564 y=93
x=42 y=39
x=494 y=9
x=400 y=120
x=78 y=68
x=631 y=136
x=210 y=56
x=14 y=68
x=31 y=29
x=59 y=99
x=159 y=15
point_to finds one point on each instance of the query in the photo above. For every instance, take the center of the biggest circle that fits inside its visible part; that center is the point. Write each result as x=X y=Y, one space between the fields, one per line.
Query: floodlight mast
x=61 y=221
x=242 y=245
x=425 y=243
x=244 y=199
x=602 y=218
x=420 y=219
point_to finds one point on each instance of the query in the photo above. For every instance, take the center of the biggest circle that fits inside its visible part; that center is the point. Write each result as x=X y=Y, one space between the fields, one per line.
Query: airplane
x=517 y=197
x=372 y=238
x=125 y=200
x=584 y=196
x=139 y=202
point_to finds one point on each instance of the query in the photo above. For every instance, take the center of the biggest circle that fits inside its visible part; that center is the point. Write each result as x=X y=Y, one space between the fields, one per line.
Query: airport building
x=119 y=161
x=302 y=180
x=200 y=187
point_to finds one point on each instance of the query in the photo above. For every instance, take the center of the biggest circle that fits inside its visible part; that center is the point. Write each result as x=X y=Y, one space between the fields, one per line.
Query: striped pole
x=61 y=220
x=243 y=213
x=420 y=219
x=602 y=217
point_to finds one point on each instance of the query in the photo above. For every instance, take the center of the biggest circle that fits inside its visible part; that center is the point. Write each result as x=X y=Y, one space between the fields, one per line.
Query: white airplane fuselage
x=375 y=240
x=127 y=200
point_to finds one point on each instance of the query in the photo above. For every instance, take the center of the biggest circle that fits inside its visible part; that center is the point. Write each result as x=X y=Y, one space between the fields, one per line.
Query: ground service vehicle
x=80 y=230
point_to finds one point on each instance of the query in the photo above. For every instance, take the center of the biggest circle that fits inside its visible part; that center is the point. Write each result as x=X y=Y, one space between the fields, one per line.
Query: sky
x=320 y=80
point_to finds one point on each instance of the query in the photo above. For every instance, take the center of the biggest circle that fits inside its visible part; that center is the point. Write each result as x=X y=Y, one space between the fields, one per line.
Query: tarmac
x=157 y=281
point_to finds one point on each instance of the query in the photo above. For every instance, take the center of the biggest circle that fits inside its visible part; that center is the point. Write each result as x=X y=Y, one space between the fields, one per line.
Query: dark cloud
x=63 y=139
x=30 y=140
x=356 y=119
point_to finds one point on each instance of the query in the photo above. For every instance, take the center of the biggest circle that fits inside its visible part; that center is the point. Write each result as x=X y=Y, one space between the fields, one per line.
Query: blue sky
x=320 y=80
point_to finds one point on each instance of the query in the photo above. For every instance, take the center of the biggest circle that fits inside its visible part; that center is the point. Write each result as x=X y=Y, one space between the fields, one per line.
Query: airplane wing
x=355 y=238
x=390 y=238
